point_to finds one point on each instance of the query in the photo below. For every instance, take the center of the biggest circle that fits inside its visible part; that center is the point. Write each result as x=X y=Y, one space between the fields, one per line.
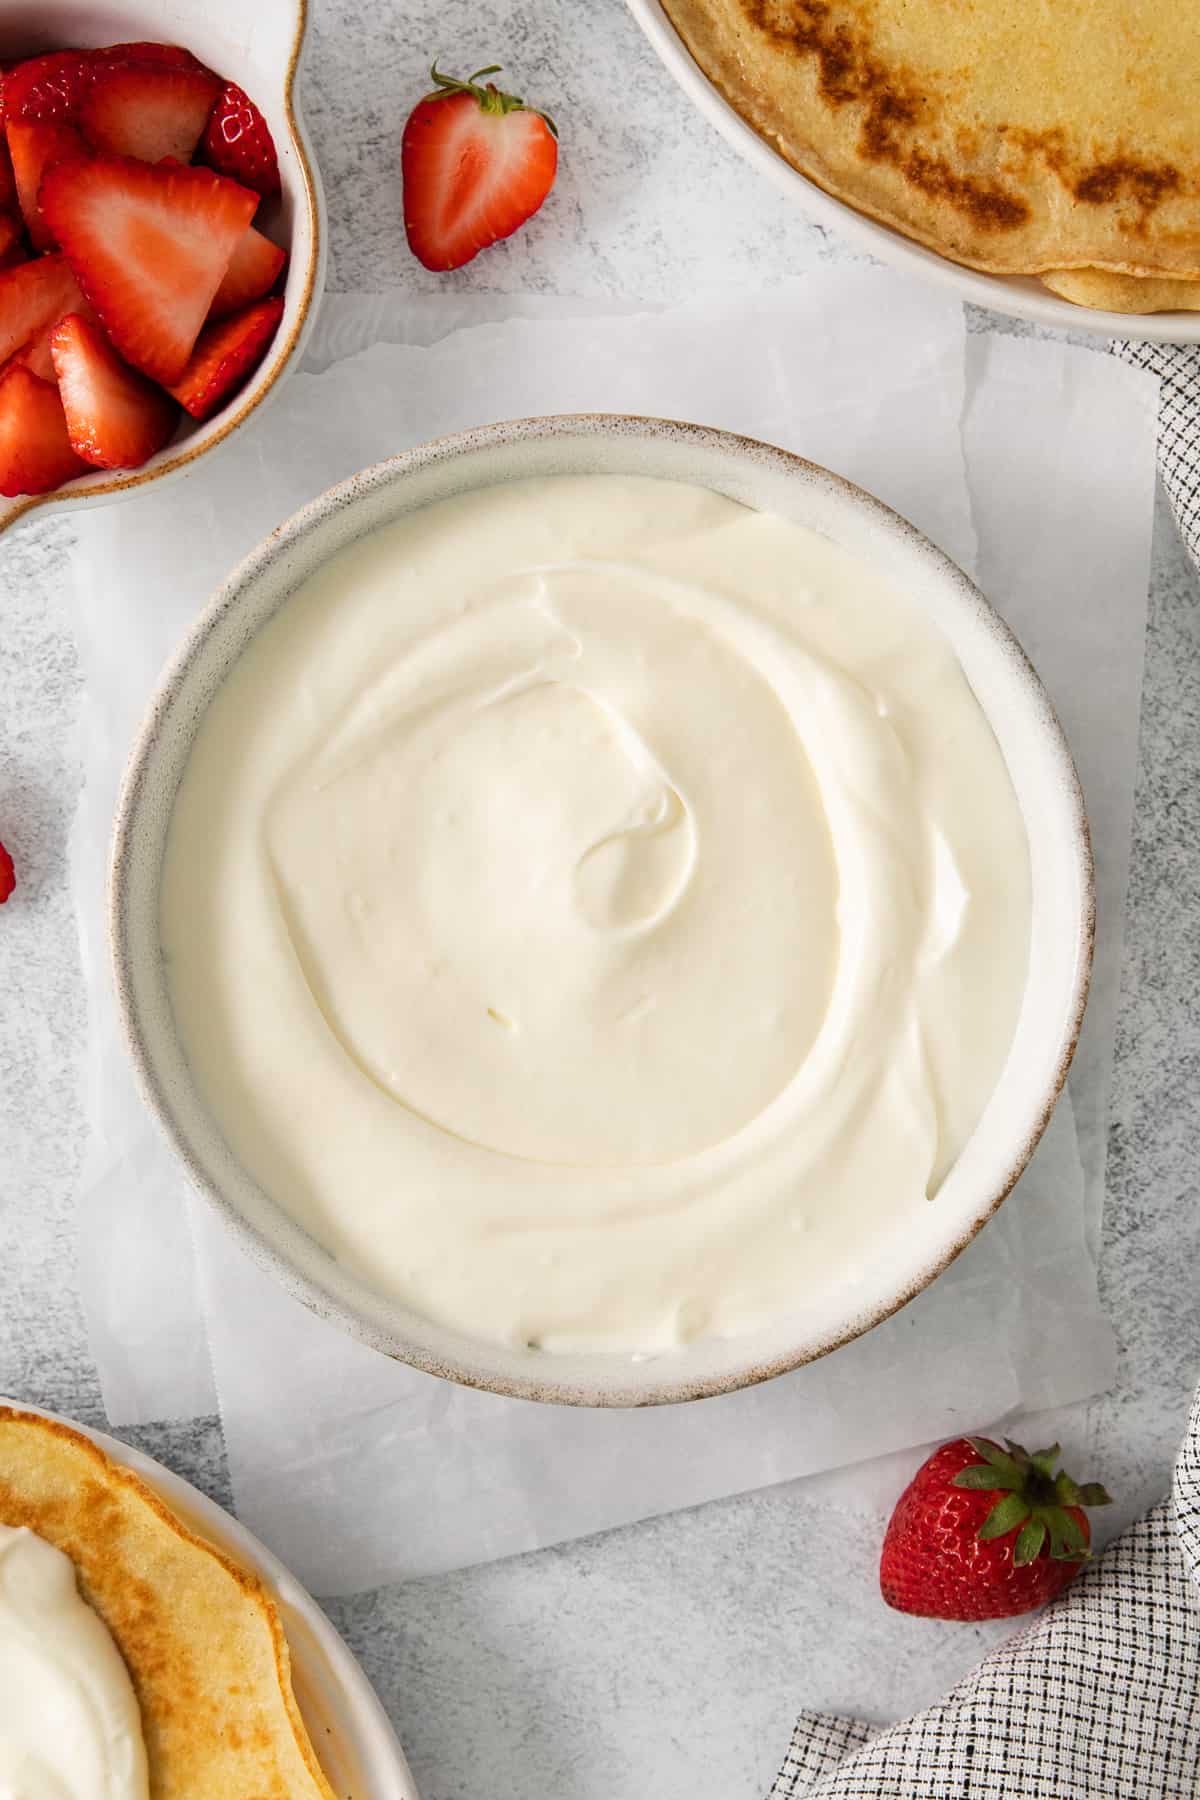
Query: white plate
x=359 y=1751
x=1018 y=295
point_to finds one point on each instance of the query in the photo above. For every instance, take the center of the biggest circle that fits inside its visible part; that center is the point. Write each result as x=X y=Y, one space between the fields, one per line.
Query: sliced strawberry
x=476 y=164
x=253 y=271
x=8 y=186
x=149 y=245
x=238 y=142
x=171 y=56
x=35 y=147
x=47 y=87
x=35 y=452
x=32 y=296
x=225 y=354
x=11 y=248
x=8 y=877
x=115 y=417
x=38 y=355
x=147 y=110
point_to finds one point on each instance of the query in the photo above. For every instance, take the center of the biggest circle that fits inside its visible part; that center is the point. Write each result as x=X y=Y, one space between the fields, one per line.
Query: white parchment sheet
x=1032 y=464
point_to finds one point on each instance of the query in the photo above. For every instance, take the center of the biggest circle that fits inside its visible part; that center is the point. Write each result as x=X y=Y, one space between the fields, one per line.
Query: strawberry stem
x=1032 y=1500
x=491 y=99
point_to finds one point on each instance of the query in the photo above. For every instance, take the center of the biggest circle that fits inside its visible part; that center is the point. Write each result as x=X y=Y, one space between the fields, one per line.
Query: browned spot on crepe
x=1018 y=138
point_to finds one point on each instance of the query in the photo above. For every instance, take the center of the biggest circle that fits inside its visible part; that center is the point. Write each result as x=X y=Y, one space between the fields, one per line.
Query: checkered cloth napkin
x=1099 y=1698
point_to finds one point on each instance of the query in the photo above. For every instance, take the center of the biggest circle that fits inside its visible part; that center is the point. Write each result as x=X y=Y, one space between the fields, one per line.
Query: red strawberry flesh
x=253 y=270
x=32 y=296
x=476 y=164
x=8 y=878
x=10 y=240
x=36 y=146
x=224 y=357
x=115 y=417
x=149 y=245
x=147 y=110
x=35 y=451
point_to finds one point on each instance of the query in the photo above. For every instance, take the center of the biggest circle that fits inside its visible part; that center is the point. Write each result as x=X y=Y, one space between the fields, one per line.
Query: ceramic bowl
x=760 y=476
x=259 y=46
x=352 y=1734
x=1020 y=296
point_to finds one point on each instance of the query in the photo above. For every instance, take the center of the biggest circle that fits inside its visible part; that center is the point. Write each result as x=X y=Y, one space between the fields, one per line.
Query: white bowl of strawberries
x=161 y=241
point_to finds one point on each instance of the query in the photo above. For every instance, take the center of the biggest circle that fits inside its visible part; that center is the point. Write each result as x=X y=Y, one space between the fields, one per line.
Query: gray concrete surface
x=665 y=1659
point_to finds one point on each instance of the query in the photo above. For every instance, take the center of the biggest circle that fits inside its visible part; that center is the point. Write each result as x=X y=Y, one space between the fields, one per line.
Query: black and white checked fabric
x=1178 y=370
x=1098 y=1698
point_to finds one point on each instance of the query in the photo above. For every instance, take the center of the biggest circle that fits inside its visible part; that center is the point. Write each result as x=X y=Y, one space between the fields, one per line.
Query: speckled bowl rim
x=386 y=1325
x=285 y=350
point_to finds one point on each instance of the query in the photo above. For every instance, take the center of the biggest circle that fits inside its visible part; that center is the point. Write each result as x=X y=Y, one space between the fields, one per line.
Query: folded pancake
x=202 y=1640
x=1019 y=138
x=1124 y=293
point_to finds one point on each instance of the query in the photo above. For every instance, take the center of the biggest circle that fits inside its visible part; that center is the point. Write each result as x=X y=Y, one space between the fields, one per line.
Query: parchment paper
x=1031 y=463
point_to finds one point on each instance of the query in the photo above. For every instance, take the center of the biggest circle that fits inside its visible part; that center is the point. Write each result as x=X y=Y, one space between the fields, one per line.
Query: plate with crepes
x=1043 y=161
x=242 y=1685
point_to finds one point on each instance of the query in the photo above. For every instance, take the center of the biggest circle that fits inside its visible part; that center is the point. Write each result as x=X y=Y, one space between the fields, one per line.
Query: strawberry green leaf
x=1047 y=1460
x=1072 y=1533
x=1093 y=1494
x=1004 y=1517
x=1066 y=1491
x=993 y=1455
x=983 y=1475
x=1030 y=1539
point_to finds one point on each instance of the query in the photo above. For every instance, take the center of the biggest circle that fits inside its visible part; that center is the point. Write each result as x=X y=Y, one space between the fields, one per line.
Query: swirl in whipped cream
x=596 y=910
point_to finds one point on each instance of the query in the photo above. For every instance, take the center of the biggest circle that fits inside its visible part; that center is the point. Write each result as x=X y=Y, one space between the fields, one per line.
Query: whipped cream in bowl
x=603 y=908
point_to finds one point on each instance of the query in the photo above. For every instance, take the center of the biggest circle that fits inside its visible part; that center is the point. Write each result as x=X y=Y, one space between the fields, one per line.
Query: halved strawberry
x=35 y=146
x=225 y=354
x=8 y=186
x=149 y=245
x=33 y=295
x=476 y=164
x=35 y=452
x=47 y=87
x=238 y=142
x=147 y=110
x=115 y=417
x=253 y=271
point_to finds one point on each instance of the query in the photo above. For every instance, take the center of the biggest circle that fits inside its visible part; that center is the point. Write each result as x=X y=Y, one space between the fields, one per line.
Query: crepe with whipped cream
x=202 y=1640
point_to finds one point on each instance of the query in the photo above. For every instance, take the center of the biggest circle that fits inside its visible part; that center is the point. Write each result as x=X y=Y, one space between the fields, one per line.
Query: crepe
x=1016 y=136
x=202 y=1640
x=1124 y=293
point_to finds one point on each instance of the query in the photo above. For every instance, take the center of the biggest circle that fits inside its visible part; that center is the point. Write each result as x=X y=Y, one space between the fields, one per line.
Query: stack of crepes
x=1023 y=138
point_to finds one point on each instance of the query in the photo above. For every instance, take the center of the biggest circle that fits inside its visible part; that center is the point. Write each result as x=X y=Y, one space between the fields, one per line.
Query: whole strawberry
x=476 y=164
x=982 y=1532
